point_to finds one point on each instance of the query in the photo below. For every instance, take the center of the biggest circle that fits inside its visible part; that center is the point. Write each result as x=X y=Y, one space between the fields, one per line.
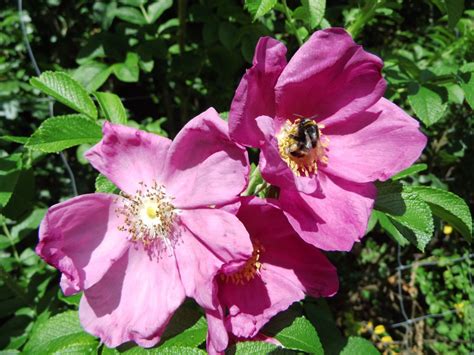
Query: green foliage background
x=156 y=64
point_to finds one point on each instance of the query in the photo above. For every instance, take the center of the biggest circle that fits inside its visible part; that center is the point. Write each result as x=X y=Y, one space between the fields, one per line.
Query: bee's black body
x=305 y=139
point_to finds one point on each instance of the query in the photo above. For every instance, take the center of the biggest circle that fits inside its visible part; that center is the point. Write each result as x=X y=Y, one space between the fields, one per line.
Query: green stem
x=291 y=22
x=365 y=15
x=10 y=238
x=145 y=14
x=263 y=187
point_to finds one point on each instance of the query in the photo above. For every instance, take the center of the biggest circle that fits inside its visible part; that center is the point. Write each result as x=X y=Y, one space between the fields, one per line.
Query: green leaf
x=156 y=9
x=131 y=15
x=315 y=11
x=372 y=223
x=102 y=184
x=21 y=200
x=92 y=75
x=255 y=180
x=28 y=225
x=300 y=335
x=455 y=9
x=127 y=71
x=447 y=206
x=186 y=328
x=252 y=348
x=455 y=93
x=258 y=8
x=112 y=107
x=67 y=91
x=62 y=132
x=390 y=228
x=416 y=168
x=61 y=334
x=10 y=168
x=172 y=350
x=408 y=212
x=357 y=346
x=468 y=87
x=70 y=300
x=136 y=3
x=78 y=344
x=319 y=313
x=427 y=105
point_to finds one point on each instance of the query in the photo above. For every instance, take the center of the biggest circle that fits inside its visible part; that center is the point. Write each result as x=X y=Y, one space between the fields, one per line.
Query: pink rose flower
x=138 y=255
x=324 y=131
x=282 y=270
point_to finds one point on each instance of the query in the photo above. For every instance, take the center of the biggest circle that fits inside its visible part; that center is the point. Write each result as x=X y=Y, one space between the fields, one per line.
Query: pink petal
x=274 y=170
x=128 y=156
x=211 y=240
x=333 y=221
x=134 y=300
x=204 y=167
x=217 y=336
x=290 y=269
x=255 y=95
x=329 y=75
x=80 y=237
x=374 y=145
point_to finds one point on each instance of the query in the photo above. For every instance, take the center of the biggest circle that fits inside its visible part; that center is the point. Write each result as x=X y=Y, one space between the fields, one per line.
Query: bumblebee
x=305 y=138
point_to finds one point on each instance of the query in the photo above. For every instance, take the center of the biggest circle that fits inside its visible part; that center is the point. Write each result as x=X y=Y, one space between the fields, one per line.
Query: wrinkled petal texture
x=204 y=167
x=255 y=95
x=128 y=156
x=375 y=144
x=80 y=238
x=290 y=269
x=273 y=168
x=334 y=219
x=211 y=240
x=329 y=76
x=134 y=301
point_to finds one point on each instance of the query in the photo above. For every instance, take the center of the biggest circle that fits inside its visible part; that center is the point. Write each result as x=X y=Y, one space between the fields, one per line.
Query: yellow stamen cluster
x=148 y=216
x=249 y=270
x=308 y=163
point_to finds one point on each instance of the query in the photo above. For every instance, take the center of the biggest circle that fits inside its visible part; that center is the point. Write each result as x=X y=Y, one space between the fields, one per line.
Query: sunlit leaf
x=258 y=8
x=62 y=132
x=112 y=107
x=67 y=91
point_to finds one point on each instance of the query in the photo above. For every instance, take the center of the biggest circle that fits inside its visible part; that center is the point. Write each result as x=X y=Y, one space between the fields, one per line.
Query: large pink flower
x=325 y=133
x=138 y=255
x=282 y=270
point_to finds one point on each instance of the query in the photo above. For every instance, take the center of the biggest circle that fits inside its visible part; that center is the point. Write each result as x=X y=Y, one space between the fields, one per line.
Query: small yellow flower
x=459 y=308
x=370 y=325
x=380 y=329
x=387 y=339
x=447 y=229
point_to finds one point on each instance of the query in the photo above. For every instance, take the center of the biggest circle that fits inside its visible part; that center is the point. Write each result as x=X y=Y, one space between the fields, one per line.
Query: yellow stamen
x=251 y=268
x=148 y=215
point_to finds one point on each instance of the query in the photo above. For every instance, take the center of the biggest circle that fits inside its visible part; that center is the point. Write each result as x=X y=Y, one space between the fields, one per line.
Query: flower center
x=302 y=145
x=249 y=270
x=148 y=215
